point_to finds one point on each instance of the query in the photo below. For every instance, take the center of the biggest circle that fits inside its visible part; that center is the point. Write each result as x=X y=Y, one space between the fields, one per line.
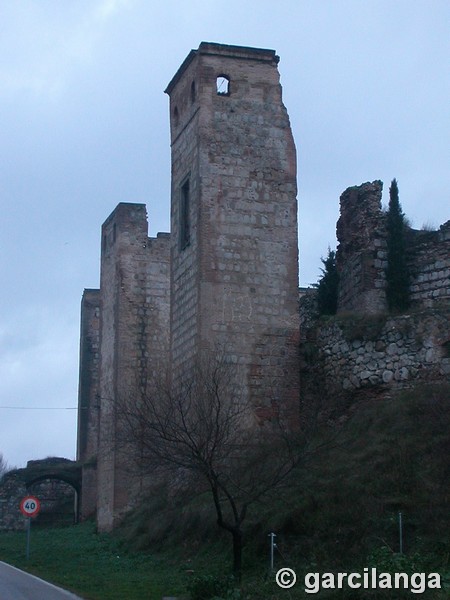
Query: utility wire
x=44 y=407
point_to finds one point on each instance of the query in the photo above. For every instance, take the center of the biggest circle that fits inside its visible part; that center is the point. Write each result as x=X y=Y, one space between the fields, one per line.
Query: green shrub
x=208 y=587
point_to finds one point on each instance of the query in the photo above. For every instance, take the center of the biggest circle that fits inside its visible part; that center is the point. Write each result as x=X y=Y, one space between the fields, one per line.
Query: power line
x=45 y=407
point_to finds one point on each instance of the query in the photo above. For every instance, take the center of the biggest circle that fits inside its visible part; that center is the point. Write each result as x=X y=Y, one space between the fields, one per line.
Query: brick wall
x=88 y=397
x=361 y=252
x=429 y=264
x=234 y=287
x=133 y=342
x=361 y=256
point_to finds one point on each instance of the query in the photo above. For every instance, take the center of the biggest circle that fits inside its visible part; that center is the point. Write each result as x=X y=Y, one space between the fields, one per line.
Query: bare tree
x=206 y=429
x=4 y=468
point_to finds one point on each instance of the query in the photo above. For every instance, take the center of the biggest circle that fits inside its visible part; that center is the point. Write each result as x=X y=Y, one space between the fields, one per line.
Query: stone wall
x=12 y=490
x=361 y=256
x=361 y=252
x=354 y=353
x=226 y=279
x=53 y=481
x=234 y=284
x=88 y=395
x=87 y=442
x=233 y=265
x=429 y=265
x=134 y=333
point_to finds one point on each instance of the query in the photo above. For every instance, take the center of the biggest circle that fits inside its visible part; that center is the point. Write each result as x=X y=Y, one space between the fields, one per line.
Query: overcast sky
x=84 y=125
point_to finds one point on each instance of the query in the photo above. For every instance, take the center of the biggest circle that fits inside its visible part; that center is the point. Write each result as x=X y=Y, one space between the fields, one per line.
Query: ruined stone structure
x=124 y=337
x=225 y=279
x=364 y=349
x=429 y=266
x=361 y=256
x=89 y=399
x=384 y=351
x=234 y=254
x=56 y=482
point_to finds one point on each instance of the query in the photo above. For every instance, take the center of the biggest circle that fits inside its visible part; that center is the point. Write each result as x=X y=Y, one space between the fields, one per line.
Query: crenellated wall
x=225 y=280
x=133 y=343
x=227 y=277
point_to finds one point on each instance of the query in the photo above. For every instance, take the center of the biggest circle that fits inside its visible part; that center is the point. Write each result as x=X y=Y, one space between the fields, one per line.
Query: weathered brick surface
x=89 y=375
x=233 y=264
x=429 y=264
x=88 y=396
x=52 y=480
x=226 y=279
x=361 y=256
x=134 y=328
x=234 y=288
x=12 y=490
x=361 y=253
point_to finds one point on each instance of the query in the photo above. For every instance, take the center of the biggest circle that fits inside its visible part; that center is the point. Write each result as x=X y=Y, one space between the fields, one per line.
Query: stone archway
x=55 y=481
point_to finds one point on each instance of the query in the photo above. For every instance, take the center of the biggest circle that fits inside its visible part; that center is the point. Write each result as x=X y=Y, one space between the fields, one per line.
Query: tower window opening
x=193 y=92
x=223 y=85
x=176 y=115
x=185 y=222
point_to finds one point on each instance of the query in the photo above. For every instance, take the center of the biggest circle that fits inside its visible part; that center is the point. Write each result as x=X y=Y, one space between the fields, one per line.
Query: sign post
x=272 y=547
x=30 y=507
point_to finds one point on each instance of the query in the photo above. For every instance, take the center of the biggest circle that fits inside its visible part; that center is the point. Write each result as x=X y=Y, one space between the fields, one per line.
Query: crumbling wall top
x=225 y=50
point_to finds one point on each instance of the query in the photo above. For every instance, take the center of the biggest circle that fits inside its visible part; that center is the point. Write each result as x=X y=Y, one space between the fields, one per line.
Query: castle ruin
x=226 y=277
x=361 y=256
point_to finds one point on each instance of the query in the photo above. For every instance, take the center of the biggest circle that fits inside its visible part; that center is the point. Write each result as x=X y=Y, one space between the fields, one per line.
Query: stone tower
x=234 y=247
x=134 y=316
x=88 y=399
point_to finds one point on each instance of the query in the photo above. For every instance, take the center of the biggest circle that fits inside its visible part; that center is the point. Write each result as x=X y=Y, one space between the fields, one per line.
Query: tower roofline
x=225 y=50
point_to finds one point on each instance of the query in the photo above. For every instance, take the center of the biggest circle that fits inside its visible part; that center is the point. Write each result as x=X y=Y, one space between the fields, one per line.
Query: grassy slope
x=338 y=513
x=93 y=565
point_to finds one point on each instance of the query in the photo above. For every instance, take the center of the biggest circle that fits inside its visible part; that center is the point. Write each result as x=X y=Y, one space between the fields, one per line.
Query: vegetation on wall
x=3 y=466
x=397 y=277
x=327 y=288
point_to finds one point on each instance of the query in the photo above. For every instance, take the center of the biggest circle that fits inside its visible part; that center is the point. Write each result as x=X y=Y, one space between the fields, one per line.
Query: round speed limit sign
x=30 y=506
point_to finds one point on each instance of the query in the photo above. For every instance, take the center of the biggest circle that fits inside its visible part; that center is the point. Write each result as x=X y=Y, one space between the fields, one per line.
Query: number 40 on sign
x=30 y=506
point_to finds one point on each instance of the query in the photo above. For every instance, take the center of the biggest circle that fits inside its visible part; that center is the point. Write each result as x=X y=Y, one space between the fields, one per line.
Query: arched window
x=223 y=85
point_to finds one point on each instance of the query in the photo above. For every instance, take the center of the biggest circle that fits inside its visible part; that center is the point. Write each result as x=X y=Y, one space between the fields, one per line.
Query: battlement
x=225 y=277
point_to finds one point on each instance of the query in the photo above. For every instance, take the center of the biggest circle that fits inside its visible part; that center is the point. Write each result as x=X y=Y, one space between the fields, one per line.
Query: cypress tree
x=327 y=288
x=397 y=277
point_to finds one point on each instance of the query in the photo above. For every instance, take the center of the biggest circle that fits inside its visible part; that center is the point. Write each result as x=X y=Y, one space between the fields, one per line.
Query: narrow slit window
x=223 y=85
x=185 y=222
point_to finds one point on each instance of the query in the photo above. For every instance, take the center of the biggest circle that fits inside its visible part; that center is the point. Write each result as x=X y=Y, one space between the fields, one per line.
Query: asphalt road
x=17 y=585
